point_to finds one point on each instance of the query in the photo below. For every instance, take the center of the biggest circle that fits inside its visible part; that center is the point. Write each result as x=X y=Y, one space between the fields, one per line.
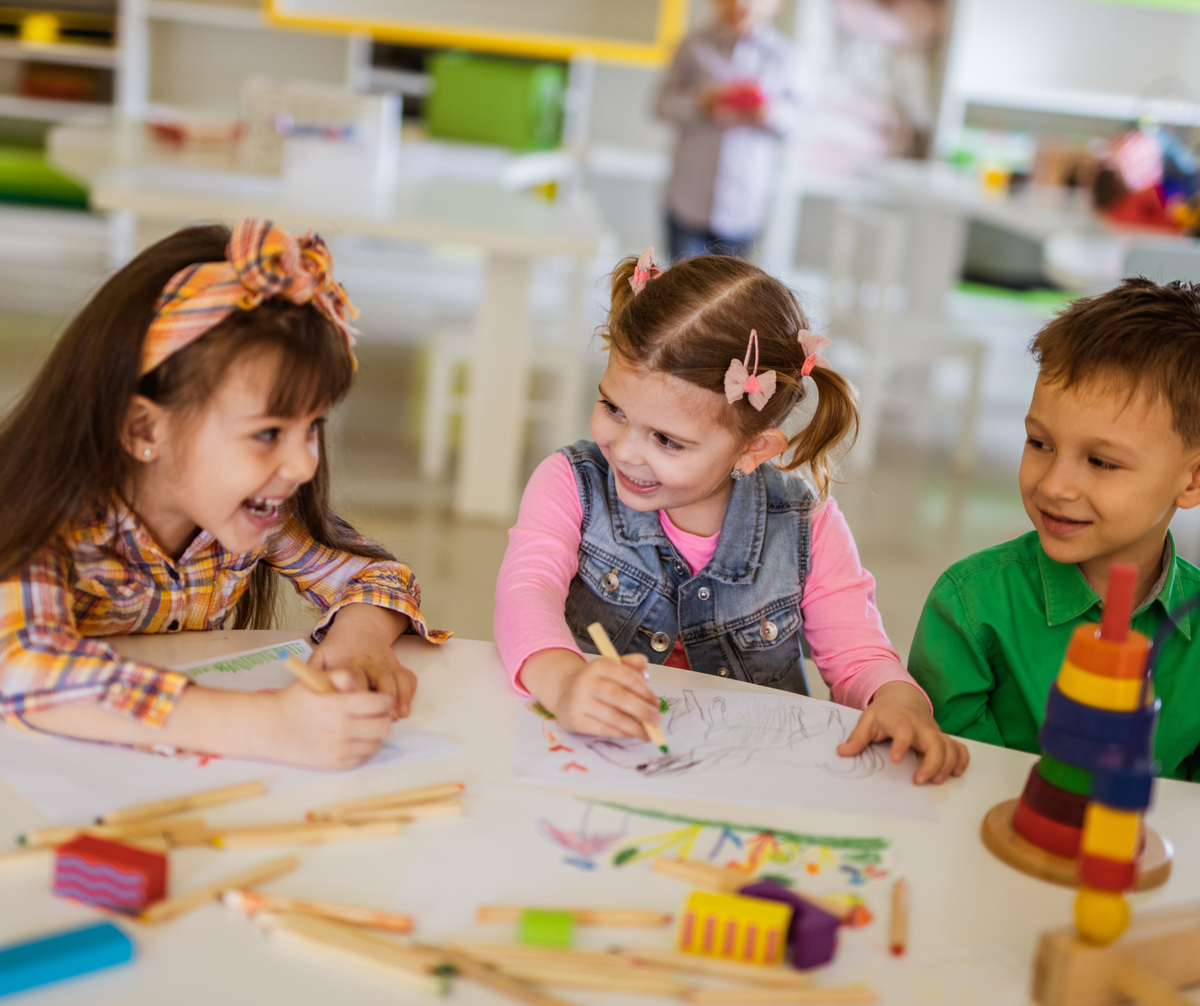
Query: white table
x=131 y=175
x=962 y=898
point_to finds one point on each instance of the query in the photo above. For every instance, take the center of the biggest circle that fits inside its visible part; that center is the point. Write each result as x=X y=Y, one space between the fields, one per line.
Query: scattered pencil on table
x=184 y=804
x=182 y=831
x=898 y=922
x=606 y=648
x=302 y=833
x=161 y=911
x=424 y=795
x=581 y=916
x=253 y=902
x=315 y=680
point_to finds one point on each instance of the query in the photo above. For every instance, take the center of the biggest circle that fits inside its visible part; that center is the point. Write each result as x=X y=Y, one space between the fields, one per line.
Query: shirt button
x=704 y=593
x=174 y=625
x=723 y=671
x=173 y=572
x=610 y=581
x=769 y=630
x=660 y=642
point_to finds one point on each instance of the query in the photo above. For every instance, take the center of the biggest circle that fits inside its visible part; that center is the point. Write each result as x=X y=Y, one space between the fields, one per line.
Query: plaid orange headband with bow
x=262 y=261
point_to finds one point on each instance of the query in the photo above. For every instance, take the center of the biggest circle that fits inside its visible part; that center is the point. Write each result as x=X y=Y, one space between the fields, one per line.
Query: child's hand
x=327 y=731
x=605 y=698
x=359 y=642
x=899 y=711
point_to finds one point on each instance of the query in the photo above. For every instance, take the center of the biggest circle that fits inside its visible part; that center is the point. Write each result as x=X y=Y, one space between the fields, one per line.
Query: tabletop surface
x=127 y=169
x=964 y=901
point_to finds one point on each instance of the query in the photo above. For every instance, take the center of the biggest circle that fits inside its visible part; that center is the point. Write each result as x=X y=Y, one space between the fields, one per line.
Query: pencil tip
x=662 y=748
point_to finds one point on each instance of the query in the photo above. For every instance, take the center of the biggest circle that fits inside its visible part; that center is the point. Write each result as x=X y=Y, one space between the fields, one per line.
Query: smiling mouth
x=1061 y=525
x=264 y=508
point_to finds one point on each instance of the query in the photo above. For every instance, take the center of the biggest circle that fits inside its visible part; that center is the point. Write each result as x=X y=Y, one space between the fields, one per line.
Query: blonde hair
x=697 y=316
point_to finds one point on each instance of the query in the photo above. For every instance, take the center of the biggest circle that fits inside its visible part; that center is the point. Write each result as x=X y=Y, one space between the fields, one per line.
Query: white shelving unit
x=1073 y=58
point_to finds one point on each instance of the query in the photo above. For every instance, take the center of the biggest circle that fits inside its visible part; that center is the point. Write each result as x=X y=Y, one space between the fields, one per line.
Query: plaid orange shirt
x=107 y=577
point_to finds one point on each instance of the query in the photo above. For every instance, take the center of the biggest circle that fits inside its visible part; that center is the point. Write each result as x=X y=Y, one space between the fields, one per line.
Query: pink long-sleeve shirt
x=841 y=622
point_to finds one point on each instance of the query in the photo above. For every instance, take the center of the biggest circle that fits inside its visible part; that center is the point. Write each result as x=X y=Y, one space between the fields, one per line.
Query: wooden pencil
x=713 y=967
x=356 y=951
x=834 y=995
x=185 y=804
x=315 y=680
x=399 y=798
x=551 y=958
x=161 y=911
x=515 y=988
x=416 y=812
x=253 y=902
x=606 y=648
x=302 y=833
x=632 y=981
x=582 y=916
x=187 y=829
x=727 y=881
x=898 y=921
x=23 y=856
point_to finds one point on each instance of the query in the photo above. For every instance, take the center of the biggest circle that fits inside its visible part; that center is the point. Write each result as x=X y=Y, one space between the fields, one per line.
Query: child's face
x=1102 y=476
x=229 y=469
x=661 y=436
x=743 y=16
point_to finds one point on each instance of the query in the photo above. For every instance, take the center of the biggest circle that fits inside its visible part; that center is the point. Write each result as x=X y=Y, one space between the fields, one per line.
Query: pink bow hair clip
x=812 y=345
x=740 y=381
x=644 y=271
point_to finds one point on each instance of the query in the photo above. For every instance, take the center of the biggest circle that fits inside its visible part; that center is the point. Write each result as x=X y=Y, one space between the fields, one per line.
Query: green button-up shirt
x=995 y=630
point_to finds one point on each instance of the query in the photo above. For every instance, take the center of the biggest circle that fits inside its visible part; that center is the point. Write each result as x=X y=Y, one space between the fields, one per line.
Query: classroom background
x=957 y=171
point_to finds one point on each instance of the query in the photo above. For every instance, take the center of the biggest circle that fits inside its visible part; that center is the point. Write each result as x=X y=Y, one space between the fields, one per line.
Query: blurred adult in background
x=731 y=94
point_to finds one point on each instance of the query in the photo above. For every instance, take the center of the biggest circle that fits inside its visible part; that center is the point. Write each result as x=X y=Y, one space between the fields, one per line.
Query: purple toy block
x=813 y=932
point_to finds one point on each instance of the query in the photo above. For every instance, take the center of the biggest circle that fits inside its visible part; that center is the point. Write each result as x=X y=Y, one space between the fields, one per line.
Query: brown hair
x=697 y=316
x=61 y=456
x=1143 y=335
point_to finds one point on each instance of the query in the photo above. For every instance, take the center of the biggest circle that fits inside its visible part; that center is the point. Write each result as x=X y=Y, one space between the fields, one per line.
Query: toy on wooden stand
x=1079 y=819
x=110 y=874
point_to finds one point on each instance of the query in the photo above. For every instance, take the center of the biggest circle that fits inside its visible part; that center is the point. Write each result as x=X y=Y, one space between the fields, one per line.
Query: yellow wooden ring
x=1119 y=694
x=1109 y=833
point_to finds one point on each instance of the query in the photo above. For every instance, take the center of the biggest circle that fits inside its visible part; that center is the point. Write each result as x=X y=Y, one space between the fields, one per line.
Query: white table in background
x=132 y=175
x=963 y=899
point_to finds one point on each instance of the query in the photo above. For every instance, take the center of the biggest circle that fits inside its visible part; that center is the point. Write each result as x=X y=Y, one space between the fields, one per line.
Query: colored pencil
x=161 y=911
x=834 y=995
x=187 y=831
x=583 y=916
x=417 y=812
x=515 y=988
x=355 y=950
x=400 y=798
x=713 y=967
x=253 y=902
x=898 y=923
x=551 y=958
x=606 y=648
x=727 y=881
x=22 y=856
x=184 y=804
x=572 y=968
x=315 y=680
x=302 y=833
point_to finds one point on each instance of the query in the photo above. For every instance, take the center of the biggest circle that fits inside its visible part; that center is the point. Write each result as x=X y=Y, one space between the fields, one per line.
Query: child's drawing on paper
x=773 y=749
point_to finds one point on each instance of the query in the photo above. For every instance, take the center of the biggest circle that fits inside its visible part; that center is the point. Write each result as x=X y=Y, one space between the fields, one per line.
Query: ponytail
x=834 y=419
x=622 y=289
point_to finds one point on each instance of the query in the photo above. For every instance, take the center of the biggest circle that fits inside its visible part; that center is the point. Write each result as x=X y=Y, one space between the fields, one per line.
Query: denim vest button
x=723 y=671
x=679 y=568
x=611 y=581
x=769 y=630
x=704 y=593
x=660 y=642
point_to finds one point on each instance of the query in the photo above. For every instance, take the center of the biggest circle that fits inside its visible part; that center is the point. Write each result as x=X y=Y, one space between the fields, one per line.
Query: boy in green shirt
x=1113 y=450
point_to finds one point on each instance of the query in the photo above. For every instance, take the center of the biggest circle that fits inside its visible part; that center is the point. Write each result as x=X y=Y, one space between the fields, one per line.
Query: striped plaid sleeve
x=332 y=579
x=44 y=662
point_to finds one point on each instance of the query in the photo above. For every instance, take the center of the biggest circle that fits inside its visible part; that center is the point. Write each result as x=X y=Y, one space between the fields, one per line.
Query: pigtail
x=834 y=419
x=622 y=285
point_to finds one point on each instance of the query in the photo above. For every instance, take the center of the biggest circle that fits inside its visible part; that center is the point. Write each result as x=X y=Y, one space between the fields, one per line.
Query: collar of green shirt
x=1069 y=596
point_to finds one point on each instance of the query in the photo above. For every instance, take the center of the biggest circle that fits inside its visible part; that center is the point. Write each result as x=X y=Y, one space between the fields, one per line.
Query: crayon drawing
x=732 y=746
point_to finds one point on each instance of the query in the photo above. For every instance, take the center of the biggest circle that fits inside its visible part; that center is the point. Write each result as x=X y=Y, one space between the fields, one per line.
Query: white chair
x=868 y=247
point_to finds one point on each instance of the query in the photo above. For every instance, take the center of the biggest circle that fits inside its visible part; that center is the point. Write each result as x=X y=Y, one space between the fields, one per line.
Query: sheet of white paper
x=72 y=781
x=738 y=747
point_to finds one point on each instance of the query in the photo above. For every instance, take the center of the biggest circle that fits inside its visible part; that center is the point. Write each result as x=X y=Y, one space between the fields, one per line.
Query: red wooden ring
x=1061 y=839
x=1107 y=874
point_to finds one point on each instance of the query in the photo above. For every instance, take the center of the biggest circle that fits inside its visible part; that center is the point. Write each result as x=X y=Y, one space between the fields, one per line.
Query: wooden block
x=122 y=878
x=1122 y=694
x=1111 y=834
x=1069 y=972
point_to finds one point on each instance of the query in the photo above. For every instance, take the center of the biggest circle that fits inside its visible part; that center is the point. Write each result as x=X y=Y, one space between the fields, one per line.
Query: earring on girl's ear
x=737 y=475
x=146 y=453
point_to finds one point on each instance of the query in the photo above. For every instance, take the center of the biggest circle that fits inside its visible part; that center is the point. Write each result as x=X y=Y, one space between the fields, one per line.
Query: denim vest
x=739 y=617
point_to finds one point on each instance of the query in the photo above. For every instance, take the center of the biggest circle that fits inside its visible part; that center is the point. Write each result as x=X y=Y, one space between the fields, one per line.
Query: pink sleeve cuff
x=859 y=690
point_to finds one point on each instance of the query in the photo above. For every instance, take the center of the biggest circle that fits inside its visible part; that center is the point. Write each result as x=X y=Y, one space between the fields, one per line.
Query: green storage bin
x=509 y=102
x=25 y=177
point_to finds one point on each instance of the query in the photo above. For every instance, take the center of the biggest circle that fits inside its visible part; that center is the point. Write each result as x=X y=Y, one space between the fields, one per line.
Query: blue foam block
x=62 y=955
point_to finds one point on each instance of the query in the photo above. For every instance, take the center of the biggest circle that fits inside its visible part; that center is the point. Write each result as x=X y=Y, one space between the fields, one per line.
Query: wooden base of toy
x=1003 y=842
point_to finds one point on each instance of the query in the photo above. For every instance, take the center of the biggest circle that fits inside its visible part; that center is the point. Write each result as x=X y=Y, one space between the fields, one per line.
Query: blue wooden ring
x=1131 y=730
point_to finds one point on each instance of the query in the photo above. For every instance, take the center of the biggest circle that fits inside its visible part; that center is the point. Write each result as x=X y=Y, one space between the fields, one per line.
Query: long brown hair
x=61 y=456
x=697 y=316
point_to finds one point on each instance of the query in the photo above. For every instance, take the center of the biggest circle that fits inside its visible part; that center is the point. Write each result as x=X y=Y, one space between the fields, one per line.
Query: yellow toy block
x=1111 y=834
x=735 y=928
x=1121 y=694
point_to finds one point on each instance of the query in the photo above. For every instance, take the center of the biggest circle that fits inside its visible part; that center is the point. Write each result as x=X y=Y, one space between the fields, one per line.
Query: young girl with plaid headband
x=671 y=528
x=166 y=463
